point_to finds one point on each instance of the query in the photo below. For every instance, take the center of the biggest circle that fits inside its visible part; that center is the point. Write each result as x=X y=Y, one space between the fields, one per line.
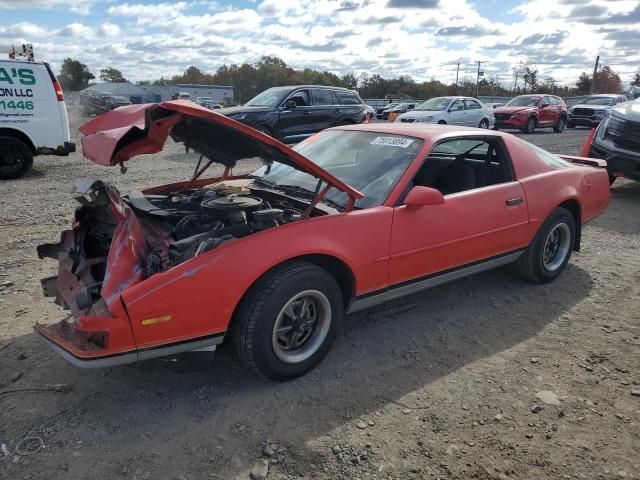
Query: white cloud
x=80 y=7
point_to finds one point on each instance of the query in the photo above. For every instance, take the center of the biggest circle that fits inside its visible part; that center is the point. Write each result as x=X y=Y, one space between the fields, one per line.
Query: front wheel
x=484 y=123
x=549 y=252
x=559 y=127
x=531 y=125
x=16 y=158
x=288 y=321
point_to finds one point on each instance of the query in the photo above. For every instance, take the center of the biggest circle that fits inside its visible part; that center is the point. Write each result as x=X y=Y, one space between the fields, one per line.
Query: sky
x=423 y=39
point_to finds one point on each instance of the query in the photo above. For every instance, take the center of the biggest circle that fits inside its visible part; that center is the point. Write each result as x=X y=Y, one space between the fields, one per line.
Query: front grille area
x=583 y=112
x=624 y=134
x=407 y=120
x=503 y=116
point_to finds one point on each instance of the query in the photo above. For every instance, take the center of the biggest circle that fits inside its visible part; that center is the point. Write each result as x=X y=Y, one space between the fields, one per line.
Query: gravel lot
x=489 y=377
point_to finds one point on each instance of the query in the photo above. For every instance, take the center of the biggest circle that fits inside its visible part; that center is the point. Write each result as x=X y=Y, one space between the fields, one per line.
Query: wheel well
x=338 y=270
x=442 y=122
x=18 y=135
x=574 y=208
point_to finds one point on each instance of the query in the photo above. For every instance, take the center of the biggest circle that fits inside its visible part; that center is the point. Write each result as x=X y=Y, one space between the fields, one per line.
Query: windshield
x=369 y=162
x=435 y=104
x=600 y=101
x=523 y=102
x=271 y=97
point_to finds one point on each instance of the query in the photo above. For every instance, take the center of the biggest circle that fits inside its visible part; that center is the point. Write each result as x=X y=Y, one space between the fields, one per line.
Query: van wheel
x=16 y=158
x=549 y=252
x=287 y=322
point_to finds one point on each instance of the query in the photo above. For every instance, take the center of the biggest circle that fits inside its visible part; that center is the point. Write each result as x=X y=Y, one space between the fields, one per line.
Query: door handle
x=514 y=201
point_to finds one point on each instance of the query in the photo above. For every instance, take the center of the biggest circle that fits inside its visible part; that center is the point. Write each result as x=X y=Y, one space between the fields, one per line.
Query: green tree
x=112 y=75
x=636 y=80
x=583 y=85
x=74 y=75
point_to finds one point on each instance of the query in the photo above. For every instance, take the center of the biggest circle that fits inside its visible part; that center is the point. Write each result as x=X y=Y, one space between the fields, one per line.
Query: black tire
x=571 y=124
x=262 y=309
x=484 y=123
x=612 y=178
x=16 y=158
x=533 y=264
x=562 y=122
x=531 y=125
x=442 y=122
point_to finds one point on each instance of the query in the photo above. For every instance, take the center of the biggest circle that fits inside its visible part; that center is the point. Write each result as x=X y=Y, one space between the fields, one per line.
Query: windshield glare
x=599 y=101
x=369 y=162
x=523 y=102
x=271 y=97
x=435 y=104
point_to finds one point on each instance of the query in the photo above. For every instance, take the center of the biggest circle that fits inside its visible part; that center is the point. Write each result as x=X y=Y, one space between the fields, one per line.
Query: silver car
x=465 y=111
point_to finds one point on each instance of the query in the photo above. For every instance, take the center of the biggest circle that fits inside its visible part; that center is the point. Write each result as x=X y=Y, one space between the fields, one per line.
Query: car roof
x=606 y=95
x=283 y=87
x=423 y=131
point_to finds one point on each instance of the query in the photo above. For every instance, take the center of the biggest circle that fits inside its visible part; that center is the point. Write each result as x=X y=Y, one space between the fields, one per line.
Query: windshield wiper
x=263 y=182
x=306 y=193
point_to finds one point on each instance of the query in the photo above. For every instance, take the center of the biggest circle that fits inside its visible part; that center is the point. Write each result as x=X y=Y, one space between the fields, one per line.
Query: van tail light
x=58 y=89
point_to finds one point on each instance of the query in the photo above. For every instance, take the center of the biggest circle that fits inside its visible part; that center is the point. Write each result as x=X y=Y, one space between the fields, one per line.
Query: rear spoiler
x=591 y=162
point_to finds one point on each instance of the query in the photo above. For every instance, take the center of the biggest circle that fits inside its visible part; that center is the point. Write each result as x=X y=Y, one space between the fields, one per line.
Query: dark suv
x=294 y=113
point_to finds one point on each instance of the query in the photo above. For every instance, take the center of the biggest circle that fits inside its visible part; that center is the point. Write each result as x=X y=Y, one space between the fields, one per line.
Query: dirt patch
x=445 y=384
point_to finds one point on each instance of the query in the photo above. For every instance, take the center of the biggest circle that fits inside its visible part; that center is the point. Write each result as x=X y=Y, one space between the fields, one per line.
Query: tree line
x=249 y=79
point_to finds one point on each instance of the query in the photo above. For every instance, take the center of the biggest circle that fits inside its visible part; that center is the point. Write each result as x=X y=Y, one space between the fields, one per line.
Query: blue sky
x=420 y=38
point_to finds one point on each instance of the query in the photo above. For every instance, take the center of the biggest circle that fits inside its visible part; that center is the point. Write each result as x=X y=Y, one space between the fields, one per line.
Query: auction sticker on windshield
x=392 y=141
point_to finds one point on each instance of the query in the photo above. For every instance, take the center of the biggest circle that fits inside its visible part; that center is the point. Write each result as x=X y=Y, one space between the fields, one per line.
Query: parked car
x=371 y=112
x=388 y=106
x=33 y=116
x=116 y=101
x=528 y=112
x=94 y=103
x=494 y=104
x=465 y=111
x=592 y=110
x=211 y=105
x=201 y=100
x=181 y=96
x=296 y=112
x=354 y=216
x=398 y=109
x=617 y=140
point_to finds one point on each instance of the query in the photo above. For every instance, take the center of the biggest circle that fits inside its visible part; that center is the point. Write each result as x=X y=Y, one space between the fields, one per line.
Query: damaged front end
x=99 y=257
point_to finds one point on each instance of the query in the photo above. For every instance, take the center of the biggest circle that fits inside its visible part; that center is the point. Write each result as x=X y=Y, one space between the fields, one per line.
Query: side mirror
x=544 y=105
x=423 y=196
x=290 y=104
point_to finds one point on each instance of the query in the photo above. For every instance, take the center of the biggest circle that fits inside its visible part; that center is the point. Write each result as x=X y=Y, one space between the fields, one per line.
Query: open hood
x=118 y=135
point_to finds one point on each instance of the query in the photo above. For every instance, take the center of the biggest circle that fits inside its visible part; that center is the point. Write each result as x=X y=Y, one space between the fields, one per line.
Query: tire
x=16 y=158
x=612 y=178
x=484 y=123
x=531 y=125
x=571 y=124
x=442 y=122
x=562 y=122
x=534 y=264
x=264 y=308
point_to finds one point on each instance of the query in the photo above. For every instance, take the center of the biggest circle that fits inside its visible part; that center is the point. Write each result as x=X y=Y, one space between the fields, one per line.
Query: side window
x=465 y=164
x=457 y=105
x=347 y=98
x=300 y=97
x=322 y=96
x=471 y=105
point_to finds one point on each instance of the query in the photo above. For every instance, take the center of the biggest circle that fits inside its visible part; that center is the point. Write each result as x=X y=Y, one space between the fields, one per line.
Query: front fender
x=198 y=297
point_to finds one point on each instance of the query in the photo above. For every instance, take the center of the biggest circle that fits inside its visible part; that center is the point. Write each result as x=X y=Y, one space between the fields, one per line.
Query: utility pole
x=457 y=72
x=478 y=77
x=592 y=89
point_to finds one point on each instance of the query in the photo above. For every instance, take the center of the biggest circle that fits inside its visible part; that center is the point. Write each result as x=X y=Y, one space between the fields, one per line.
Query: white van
x=33 y=116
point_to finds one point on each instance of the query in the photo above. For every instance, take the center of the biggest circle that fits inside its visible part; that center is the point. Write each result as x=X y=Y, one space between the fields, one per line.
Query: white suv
x=33 y=116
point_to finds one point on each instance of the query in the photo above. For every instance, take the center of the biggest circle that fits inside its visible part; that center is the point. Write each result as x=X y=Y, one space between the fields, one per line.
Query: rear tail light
x=58 y=89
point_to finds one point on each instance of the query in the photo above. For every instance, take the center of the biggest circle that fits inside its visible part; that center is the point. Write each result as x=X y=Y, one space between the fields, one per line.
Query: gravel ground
x=489 y=377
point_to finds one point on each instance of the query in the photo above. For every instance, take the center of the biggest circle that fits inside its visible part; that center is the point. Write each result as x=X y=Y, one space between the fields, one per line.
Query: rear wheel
x=16 y=158
x=549 y=252
x=484 y=123
x=288 y=321
x=562 y=122
x=442 y=122
x=531 y=125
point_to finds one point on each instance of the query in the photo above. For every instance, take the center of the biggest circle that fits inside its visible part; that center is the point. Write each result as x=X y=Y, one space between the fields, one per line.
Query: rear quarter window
x=554 y=161
x=347 y=98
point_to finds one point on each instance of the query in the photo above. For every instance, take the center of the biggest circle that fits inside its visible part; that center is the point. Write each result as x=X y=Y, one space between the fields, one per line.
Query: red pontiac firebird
x=352 y=217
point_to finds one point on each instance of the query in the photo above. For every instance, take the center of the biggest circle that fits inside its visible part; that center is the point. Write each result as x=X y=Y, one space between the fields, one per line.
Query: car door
x=457 y=113
x=547 y=114
x=473 y=111
x=487 y=223
x=296 y=123
x=325 y=111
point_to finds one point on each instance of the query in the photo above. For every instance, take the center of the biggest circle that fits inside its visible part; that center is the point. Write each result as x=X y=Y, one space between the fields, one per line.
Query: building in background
x=222 y=94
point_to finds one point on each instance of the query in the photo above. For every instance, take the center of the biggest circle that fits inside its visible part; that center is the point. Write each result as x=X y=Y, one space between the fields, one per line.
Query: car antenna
x=24 y=50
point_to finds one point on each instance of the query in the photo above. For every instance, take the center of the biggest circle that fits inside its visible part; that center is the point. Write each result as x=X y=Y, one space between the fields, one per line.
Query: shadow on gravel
x=170 y=414
x=623 y=215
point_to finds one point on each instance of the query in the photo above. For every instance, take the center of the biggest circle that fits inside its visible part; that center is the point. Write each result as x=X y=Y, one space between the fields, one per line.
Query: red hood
x=121 y=134
x=512 y=110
